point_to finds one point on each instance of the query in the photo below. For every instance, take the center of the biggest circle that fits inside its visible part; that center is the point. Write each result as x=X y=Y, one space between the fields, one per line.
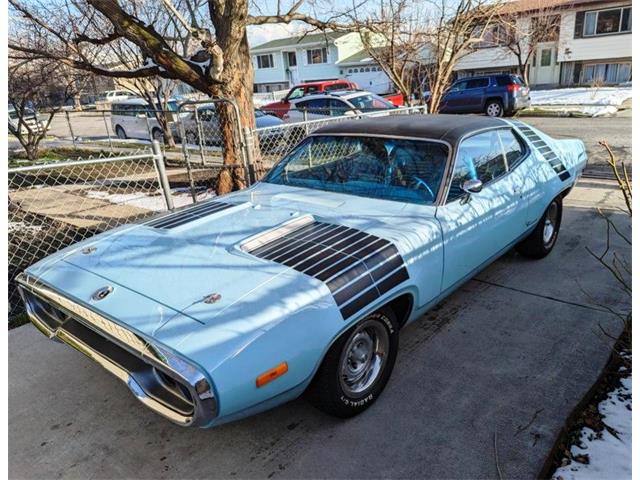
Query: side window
x=478 y=83
x=319 y=106
x=458 y=86
x=296 y=93
x=336 y=86
x=479 y=158
x=514 y=150
x=338 y=107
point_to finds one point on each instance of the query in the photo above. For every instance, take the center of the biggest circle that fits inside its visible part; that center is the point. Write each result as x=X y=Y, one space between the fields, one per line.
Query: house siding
x=573 y=50
x=602 y=47
x=337 y=50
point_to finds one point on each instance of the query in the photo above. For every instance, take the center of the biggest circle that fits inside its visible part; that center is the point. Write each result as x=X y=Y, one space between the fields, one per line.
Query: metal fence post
x=146 y=117
x=73 y=137
x=249 y=156
x=106 y=127
x=305 y=119
x=158 y=159
x=200 y=135
x=185 y=154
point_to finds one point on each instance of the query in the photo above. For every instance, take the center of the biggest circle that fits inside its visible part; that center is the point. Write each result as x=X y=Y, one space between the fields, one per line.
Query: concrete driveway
x=501 y=362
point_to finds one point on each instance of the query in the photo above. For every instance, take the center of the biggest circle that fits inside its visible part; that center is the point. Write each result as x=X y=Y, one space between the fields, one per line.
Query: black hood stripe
x=356 y=266
x=188 y=215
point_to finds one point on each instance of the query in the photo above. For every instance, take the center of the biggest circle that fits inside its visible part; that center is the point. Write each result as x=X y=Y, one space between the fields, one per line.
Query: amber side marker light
x=272 y=374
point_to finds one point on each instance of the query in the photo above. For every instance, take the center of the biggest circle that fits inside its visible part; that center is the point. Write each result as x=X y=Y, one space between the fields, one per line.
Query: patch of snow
x=609 y=457
x=581 y=96
x=153 y=202
x=21 y=227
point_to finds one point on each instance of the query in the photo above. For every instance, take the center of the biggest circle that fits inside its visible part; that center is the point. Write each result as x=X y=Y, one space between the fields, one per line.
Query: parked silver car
x=210 y=132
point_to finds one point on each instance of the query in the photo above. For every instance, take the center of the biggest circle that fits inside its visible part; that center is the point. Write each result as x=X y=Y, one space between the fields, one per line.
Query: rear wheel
x=494 y=108
x=543 y=238
x=357 y=366
x=157 y=134
x=120 y=132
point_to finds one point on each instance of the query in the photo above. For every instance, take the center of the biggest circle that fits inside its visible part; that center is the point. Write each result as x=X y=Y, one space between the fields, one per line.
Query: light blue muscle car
x=302 y=282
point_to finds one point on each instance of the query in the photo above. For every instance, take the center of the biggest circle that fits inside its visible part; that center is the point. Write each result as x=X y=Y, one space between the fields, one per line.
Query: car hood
x=197 y=276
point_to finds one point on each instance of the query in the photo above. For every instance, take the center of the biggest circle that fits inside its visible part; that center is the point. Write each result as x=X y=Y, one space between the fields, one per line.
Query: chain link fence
x=52 y=206
x=269 y=144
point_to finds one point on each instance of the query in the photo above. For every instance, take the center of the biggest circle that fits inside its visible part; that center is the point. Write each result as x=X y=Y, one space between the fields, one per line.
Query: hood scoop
x=274 y=234
x=188 y=215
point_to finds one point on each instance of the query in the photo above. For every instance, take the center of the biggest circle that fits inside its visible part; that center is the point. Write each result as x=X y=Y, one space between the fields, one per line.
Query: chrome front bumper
x=160 y=379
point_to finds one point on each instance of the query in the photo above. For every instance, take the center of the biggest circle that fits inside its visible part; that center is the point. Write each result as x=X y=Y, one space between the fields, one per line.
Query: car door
x=314 y=109
x=452 y=101
x=472 y=97
x=478 y=226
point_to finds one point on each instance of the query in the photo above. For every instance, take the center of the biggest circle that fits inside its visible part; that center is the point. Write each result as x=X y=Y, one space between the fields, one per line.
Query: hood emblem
x=213 y=298
x=102 y=293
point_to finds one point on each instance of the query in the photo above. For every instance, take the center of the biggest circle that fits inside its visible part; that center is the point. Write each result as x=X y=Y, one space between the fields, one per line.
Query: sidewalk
x=521 y=338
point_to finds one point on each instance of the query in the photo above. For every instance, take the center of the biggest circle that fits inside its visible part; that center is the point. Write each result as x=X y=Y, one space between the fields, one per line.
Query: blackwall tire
x=544 y=237
x=357 y=367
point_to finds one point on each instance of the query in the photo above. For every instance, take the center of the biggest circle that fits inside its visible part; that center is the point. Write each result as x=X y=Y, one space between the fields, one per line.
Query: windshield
x=370 y=102
x=390 y=169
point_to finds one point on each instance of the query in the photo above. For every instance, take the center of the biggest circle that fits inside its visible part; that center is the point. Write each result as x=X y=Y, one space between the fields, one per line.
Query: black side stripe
x=356 y=266
x=547 y=152
x=188 y=215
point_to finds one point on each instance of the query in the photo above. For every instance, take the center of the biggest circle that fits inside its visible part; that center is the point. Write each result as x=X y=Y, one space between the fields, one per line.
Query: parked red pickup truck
x=280 y=108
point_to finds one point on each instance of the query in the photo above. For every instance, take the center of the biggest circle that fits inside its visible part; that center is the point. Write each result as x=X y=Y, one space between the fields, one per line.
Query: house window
x=606 y=72
x=316 y=56
x=545 y=57
x=604 y=22
x=292 y=61
x=265 y=61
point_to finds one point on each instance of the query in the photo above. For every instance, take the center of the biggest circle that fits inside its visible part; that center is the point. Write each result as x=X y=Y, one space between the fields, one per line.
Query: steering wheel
x=422 y=183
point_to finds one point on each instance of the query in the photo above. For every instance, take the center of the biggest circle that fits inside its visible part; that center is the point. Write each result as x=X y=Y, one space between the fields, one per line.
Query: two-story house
x=279 y=64
x=592 y=44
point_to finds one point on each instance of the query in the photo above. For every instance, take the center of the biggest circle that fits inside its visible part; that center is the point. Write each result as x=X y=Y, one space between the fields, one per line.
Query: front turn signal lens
x=272 y=374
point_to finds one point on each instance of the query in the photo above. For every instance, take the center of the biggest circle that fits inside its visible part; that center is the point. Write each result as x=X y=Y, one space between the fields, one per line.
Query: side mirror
x=349 y=113
x=472 y=186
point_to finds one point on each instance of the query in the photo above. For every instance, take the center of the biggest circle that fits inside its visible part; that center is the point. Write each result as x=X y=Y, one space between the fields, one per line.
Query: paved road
x=521 y=338
x=615 y=130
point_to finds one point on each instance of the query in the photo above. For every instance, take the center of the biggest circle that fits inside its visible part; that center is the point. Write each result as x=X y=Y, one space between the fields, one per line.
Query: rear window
x=336 y=86
x=504 y=80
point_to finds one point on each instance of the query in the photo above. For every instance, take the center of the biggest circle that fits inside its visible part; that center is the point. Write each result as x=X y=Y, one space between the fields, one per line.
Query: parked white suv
x=136 y=119
x=336 y=104
x=115 y=95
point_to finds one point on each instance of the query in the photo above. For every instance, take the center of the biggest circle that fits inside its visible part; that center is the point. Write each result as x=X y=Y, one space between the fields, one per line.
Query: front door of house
x=544 y=65
x=291 y=65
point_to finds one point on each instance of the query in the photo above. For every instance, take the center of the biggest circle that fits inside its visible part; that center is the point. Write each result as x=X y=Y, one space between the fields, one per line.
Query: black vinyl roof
x=450 y=128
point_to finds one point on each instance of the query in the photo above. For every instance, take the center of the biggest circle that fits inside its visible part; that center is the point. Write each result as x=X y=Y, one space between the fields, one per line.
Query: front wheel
x=494 y=108
x=120 y=132
x=543 y=238
x=357 y=366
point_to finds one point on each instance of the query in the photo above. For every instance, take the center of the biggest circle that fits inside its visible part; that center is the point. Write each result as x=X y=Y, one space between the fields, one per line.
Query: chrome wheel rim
x=550 y=222
x=363 y=358
x=493 y=110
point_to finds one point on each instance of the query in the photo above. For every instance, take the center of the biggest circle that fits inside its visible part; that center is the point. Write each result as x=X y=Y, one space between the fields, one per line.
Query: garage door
x=372 y=81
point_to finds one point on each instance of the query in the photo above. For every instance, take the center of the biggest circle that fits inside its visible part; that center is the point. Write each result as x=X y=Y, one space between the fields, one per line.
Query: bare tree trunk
x=237 y=85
